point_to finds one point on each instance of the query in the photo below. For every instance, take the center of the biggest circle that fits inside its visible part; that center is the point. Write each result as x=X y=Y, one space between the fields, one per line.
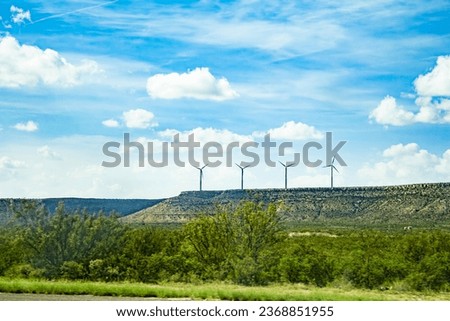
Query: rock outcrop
x=404 y=204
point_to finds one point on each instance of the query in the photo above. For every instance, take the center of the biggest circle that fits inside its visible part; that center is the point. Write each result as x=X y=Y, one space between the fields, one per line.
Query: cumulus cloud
x=401 y=150
x=290 y=130
x=29 y=126
x=293 y=131
x=110 y=123
x=196 y=84
x=18 y=15
x=24 y=65
x=389 y=113
x=433 y=106
x=407 y=163
x=139 y=118
x=437 y=81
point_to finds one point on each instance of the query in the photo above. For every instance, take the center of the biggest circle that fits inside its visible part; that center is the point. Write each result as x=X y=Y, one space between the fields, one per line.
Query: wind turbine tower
x=332 y=168
x=286 y=166
x=201 y=175
x=242 y=174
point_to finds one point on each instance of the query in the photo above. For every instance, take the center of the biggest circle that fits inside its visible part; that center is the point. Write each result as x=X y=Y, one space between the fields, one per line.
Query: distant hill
x=404 y=204
x=121 y=207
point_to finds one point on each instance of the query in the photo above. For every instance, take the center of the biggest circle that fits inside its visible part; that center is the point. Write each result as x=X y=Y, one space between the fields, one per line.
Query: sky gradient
x=75 y=75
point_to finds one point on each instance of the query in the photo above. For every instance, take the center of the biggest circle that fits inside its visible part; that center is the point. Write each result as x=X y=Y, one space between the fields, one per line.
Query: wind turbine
x=286 y=166
x=332 y=167
x=201 y=174
x=242 y=174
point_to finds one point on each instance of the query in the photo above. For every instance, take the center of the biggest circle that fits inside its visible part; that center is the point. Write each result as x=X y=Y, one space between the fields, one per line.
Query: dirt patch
x=294 y=234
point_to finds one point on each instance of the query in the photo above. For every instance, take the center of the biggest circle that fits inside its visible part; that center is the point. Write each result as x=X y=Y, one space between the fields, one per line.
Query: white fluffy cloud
x=197 y=84
x=292 y=130
x=407 y=163
x=24 y=65
x=437 y=81
x=18 y=15
x=431 y=89
x=139 y=118
x=389 y=113
x=29 y=126
x=110 y=123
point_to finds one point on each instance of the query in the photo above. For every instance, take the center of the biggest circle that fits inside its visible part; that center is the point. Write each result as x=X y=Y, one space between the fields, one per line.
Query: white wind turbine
x=332 y=168
x=242 y=174
x=201 y=174
x=286 y=166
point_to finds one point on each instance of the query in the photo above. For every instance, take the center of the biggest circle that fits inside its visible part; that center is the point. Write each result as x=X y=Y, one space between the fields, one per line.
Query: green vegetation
x=211 y=291
x=218 y=257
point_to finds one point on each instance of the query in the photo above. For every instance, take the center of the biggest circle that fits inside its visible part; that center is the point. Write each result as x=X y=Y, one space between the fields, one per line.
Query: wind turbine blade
x=238 y=165
x=246 y=166
x=282 y=163
x=333 y=159
x=334 y=167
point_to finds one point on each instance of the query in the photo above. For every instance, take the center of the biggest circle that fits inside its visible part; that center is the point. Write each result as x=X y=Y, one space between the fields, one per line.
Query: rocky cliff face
x=405 y=204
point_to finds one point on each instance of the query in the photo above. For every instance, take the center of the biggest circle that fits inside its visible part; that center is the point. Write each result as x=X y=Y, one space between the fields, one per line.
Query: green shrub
x=71 y=270
x=433 y=273
x=24 y=271
x=232 y=243
x=302 y=264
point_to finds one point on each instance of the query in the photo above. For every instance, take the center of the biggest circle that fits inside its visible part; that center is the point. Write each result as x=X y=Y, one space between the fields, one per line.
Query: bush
x=24 y=271
x=247 y=272
x=72 y=270
x=303 y=264
x=64 y=236
x=433 y=273
x=11 y=251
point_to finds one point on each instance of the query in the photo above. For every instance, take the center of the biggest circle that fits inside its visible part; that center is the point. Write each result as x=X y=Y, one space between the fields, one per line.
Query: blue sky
x=77 y=74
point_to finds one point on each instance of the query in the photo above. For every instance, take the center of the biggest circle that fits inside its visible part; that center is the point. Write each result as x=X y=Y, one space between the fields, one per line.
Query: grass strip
x=210 y=291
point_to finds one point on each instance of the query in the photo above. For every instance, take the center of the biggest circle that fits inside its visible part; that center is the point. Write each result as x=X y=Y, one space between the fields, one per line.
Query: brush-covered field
x=244 y=253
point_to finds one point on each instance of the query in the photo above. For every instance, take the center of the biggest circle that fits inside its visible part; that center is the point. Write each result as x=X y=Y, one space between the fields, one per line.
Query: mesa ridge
x=400 y=204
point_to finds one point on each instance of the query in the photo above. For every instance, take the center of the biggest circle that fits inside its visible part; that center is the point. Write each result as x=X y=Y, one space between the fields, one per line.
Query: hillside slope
x=121 y=207
x=404 y=204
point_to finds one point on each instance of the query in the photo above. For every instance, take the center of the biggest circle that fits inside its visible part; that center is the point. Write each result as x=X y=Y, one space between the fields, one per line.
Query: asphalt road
x=57 y=297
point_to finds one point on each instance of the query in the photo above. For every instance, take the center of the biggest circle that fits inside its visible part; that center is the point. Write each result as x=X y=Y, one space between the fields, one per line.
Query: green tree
x=63 y=237
x=148 y=253
x=306 y=263
x=233 y=242
x=11 y=251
